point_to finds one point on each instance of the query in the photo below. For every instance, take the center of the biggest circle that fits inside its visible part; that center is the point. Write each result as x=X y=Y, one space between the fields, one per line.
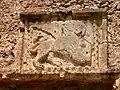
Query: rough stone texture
x=10 y=22
x=62 y=41
x=11 y=38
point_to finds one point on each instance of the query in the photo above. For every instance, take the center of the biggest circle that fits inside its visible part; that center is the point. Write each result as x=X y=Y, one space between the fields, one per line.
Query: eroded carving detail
x=95 y=48
x=68 y=43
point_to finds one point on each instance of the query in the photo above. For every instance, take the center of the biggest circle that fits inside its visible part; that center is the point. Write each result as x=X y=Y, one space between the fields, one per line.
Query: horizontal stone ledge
x=55 y=77
x=63 y=15
x=58 y=83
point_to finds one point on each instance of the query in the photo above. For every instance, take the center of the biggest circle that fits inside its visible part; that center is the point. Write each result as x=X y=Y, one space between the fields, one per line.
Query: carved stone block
x=73 y=39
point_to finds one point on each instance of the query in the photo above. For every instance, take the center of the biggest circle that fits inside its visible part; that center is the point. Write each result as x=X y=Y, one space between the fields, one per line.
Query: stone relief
x=64 y=40
x=60 y=44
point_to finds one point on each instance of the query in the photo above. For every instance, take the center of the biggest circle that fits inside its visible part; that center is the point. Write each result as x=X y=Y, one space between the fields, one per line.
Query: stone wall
x=10 y=20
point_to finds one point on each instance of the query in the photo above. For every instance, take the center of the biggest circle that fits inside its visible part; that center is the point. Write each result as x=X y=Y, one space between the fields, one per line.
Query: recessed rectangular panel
x=65 y=40
x=62 y=43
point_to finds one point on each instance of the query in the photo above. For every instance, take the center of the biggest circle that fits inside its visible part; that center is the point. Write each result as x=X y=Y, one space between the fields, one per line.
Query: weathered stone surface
x=61 y=42
x=11 y=40
x=10 y=10
x=72 y=41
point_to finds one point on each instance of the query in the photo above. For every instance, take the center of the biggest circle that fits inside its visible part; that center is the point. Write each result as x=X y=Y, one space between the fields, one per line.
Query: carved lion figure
x=63 y=47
